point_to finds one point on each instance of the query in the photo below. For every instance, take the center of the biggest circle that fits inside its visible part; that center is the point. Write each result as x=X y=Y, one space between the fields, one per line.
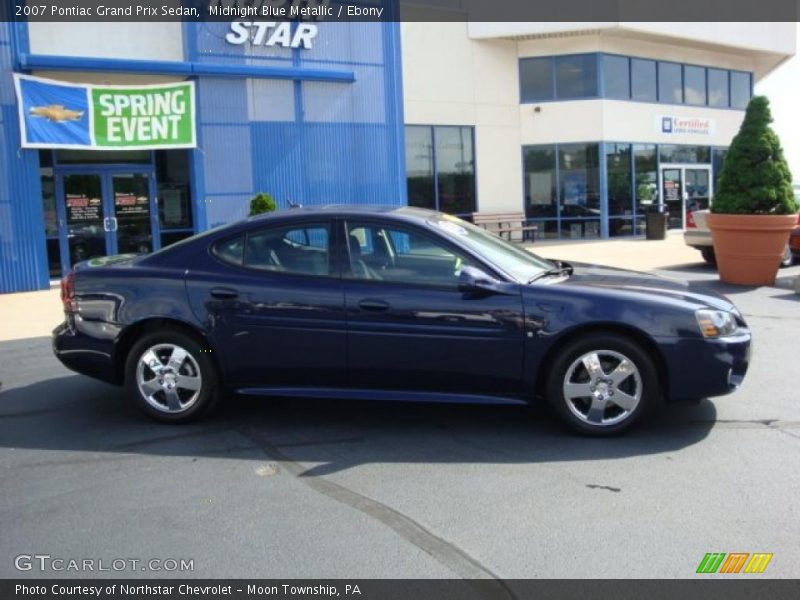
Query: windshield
x=516 y=262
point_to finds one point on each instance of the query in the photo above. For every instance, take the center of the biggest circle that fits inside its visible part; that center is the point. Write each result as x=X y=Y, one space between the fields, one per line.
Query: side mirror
x=474 y=280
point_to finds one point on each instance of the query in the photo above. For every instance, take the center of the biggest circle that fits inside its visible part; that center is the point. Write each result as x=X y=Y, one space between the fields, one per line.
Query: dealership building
x=577 y=127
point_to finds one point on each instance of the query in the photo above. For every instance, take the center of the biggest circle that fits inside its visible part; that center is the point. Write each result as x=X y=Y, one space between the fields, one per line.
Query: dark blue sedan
x=393 y=304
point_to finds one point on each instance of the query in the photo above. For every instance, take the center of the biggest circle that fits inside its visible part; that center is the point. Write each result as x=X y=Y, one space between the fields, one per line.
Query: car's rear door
x=273 y=301
x=410 y=328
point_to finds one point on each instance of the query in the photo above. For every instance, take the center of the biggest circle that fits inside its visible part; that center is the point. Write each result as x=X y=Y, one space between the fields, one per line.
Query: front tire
x=171 y=377
x=601 y=384
x=708 y=255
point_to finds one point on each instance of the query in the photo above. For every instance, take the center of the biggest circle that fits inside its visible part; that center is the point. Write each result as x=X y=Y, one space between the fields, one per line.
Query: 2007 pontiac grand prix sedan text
x=393 y=304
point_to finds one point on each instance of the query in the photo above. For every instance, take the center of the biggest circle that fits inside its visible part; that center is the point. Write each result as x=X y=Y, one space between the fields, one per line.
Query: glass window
x=579 y=180
x=513 y=260
x=455 y=169
x=74 y=157
x=717 y=161
x=616 y=77
x=718 y=87
x=173 y=195
x=685 y=154
x=576 y=76
x=536 y=79
x=643 y=80
x=50 y=212
x=299 y=249
x=694 y=85
x=173 y=237
x=400 y=255
x=618 y=162
x=540 y=182
x=670 y=84
x=440 y=168
x=419 y=166
x=230 y=250
x=740 y=89
x=644 y=164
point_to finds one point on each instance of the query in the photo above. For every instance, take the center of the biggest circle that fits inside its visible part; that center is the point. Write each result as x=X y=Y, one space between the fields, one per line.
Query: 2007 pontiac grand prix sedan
x=393 y=304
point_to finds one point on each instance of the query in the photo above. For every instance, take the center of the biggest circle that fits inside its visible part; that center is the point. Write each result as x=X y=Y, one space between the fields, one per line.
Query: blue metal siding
x=306 y=141
x=23 y=250
x=315 y=126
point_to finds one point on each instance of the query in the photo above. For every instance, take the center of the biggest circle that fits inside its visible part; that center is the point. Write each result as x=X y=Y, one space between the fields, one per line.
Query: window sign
x=674 y=125
x=81 y=208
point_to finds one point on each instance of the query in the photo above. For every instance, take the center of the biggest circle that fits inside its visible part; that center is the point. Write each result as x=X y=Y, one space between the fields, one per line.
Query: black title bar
x=400 y=10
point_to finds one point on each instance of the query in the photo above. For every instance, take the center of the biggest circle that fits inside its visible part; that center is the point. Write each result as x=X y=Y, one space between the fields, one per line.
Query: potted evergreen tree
x=754 y=209
x=262 y=203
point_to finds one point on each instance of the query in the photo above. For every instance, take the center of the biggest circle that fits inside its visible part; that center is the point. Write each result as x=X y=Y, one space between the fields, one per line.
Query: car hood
x=636 y=282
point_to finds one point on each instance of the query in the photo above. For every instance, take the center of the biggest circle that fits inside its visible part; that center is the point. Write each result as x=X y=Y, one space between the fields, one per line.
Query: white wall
x=449 y=79
x=467 y=74
x=152 y=40
x=618 y=121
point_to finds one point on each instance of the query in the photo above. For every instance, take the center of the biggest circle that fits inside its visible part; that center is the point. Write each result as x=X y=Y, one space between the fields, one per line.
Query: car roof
x=350 y=210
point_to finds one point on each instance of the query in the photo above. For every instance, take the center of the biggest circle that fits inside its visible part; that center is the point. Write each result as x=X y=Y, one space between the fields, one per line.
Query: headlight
x=715 y=323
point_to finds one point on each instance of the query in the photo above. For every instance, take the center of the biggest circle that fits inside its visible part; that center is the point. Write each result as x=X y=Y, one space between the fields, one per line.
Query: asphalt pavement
x=303 y=488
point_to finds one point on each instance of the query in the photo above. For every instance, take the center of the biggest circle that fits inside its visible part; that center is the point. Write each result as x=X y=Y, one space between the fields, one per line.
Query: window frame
x=422 y=231
x=334 y=264
x=632 y=63
x=749 y=75
x=436 y=192
x=551 y=61
x=681 y=82
x=704 y=71
x=654 y=64
x=597 y=75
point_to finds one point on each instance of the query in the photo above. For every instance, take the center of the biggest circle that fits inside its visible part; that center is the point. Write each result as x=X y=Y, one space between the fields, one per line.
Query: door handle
x=114 y=223
x=373 y=305
x=224 y=293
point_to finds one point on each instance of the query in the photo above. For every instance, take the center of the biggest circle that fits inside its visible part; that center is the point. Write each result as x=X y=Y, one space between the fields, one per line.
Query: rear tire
x=171 y=377
x=601 y=384
x=708 y=255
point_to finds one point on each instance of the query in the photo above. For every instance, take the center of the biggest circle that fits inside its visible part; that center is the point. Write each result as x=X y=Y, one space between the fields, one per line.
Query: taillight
x=690 y=224
x=68 y=292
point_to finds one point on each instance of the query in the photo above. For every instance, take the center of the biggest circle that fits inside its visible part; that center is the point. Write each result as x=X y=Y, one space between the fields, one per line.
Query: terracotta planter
x=749 y=247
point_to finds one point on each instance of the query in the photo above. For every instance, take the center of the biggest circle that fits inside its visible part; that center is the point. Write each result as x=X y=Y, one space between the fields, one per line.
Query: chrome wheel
x=168 y=378
x=602 y=388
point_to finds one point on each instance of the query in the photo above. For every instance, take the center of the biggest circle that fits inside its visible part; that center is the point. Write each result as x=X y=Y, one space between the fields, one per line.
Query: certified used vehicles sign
x=56 y=114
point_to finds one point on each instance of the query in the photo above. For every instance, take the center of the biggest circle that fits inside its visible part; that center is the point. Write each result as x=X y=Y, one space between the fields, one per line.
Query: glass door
x=685 y=189
x=132 y=230
x=697 y=183
x=104 y=213
x=672 y=194
x=84 y=227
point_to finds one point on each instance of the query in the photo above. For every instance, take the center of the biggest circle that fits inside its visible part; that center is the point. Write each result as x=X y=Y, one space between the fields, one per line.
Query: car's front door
x=409 y=326
x=274 y=303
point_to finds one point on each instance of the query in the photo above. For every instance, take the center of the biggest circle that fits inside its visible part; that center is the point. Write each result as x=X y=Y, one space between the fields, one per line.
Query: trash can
x=656 y=222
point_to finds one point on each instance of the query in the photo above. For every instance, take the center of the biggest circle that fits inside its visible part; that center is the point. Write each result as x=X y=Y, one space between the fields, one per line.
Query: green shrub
x=755 y=179
x=262 y=203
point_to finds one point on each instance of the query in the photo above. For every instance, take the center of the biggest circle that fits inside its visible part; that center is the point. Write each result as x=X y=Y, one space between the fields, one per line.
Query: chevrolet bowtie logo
x=56 y=113
x=736 y=562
